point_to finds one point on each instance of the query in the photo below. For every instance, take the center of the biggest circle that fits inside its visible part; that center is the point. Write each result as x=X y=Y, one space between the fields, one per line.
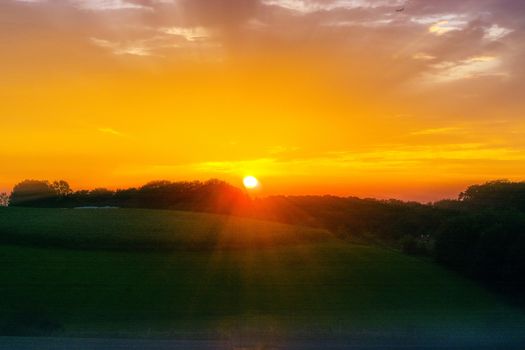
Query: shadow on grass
x=30 y=322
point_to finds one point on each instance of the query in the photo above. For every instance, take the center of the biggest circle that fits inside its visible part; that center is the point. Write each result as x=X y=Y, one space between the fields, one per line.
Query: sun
x=250 y=182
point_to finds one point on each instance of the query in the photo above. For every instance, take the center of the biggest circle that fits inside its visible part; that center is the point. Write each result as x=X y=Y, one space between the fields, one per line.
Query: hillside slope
x=143 y=229
x=312 y=286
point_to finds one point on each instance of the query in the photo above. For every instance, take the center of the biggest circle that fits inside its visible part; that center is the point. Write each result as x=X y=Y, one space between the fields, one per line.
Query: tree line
x=481 y=233
x=209 y=196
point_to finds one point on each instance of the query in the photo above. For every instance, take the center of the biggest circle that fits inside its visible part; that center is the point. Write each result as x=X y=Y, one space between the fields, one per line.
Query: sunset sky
x=345 y=97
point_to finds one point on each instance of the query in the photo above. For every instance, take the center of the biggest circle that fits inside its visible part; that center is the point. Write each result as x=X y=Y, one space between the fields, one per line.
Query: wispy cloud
x=495 y=32
x=445 y=26
x=103 y=43
x=398 y=158
x=164 y=42
x=434 y=131
x=101 y=5
x=421 y=56
x=473 y=67
x=135 y=49
x=443 y=23
x=188 y=33
x=308 y=6
x=31 y=1
x=363 y=23
x=110 y=131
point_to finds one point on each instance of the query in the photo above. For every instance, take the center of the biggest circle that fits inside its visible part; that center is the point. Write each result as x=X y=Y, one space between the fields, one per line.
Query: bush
x=488 y=245
x=419 y=245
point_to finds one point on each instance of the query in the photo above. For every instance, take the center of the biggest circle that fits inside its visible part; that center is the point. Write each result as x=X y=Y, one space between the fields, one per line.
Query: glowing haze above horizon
x=409 y=99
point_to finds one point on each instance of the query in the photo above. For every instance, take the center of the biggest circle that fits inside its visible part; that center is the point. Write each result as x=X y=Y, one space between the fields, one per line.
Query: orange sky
x=346 y=97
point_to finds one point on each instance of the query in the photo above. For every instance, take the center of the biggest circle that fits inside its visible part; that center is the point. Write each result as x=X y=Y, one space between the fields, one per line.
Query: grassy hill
x=142 y=229
x=279 y=278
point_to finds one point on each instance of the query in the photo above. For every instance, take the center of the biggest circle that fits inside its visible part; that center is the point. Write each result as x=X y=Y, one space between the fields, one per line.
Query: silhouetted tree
x=100 y=197
x=495 y=194
x=456 y=240
x=61 y=188
x=4 y=199
x=33 y=193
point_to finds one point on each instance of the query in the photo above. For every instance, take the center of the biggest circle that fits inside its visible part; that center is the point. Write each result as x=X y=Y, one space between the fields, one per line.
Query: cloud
x=134 y=48
x=188 y=33
x=401 y=155
x=365 y=23
x=434 y=131
x=462 y=151
x=101 y=5
x=395 y=159
x=440 y=24
x=473 y=67
x=134 y=51
x=496 y=32
x=423 y=56
x=442 y=27
x=103 y=43
x=309 y=6
x=110 y=131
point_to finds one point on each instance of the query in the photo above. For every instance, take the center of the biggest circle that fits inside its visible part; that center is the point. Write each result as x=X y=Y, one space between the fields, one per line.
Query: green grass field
x=138 y=229
x=280 y=278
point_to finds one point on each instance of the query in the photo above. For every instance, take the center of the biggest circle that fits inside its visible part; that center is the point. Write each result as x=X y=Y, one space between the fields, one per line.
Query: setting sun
x=250 y=182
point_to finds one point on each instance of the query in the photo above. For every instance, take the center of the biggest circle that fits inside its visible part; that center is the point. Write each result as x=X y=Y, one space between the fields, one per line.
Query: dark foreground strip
x=28 y=343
